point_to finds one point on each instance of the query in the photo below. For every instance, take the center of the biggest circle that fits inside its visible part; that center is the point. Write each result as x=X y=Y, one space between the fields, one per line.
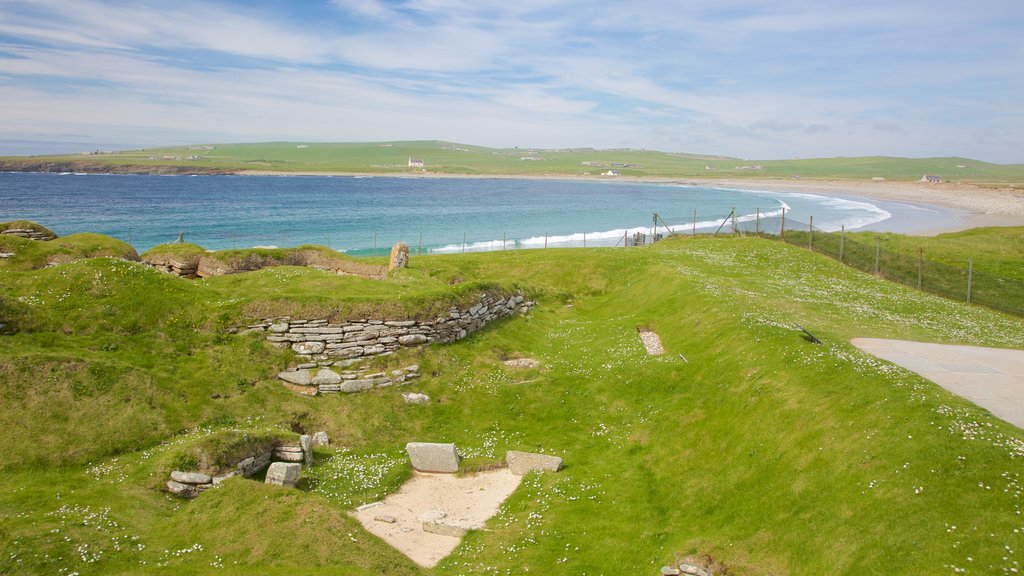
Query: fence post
x=920 y=266
x=545 y=240
x=584 y=239
x=842 y=242
x=810 y=234
x=419 y=249
x=782 y=234
x=878 y=251
x=757 y=223
x=970 y=277
x=625 y=238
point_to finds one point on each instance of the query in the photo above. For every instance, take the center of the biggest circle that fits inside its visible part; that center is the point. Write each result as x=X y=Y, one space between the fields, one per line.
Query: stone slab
x=298 y=377
x=433 y=457
x=524 y=462
x=284 y=474
x=190 y=477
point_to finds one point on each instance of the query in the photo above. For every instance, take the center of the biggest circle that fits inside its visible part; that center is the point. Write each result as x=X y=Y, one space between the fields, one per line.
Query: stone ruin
x=285 y=461
x=29 y=233
x=399 y=256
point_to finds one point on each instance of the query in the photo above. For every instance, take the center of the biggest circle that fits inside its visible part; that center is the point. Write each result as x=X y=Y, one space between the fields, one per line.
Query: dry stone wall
x=29 y=233
x=321 y=340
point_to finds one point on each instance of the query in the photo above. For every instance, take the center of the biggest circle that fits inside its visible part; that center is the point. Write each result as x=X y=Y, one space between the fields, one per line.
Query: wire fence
x=964 y=283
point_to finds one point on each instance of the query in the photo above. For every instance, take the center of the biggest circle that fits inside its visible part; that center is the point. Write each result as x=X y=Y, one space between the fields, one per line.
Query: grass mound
x=26 y=225
x=32 y=255
x=223 y=262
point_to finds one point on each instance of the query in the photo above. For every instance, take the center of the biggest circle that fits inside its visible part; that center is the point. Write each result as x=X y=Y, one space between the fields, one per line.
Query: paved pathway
x=992 y=378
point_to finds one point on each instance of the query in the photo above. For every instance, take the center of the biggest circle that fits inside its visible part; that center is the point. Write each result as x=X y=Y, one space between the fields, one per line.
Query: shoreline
x=964 y=205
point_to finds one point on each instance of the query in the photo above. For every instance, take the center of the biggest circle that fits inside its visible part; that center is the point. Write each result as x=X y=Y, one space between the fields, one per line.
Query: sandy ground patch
x=652 y=342
x=992 y=378
x=466 y=501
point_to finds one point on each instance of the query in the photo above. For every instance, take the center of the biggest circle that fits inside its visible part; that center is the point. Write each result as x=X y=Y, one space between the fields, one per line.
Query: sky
x=764 y=79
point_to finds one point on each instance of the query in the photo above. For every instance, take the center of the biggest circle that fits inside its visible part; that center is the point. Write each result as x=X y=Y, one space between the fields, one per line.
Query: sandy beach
x=963 y=206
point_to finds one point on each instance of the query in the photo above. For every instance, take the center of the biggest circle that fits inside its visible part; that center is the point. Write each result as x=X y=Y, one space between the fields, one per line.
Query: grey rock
x=289 y=448
x=388 y=519
x=444 y=529
x=183 y=490
x=433 y=457
x=401 y=323
x=350 y=386
x=375 y=349
x=284 y=474
x=693 y=570
x=412 y=339
x=411 y=368
x=246 y=462
x=520 y=463
x=288 y=456
x=308 y=347
x=320 y=439
x=298 y=377
x=218 y=479
x=415 y=398
x=190 y=477
x=306 y=366
x=279 y=327
x=352 y=352
x=670 y=571
x=326 y=376
x=306 y=442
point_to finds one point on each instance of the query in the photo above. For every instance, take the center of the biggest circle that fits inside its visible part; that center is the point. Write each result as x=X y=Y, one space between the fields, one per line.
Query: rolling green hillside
x=745 y=442
x=450 y=158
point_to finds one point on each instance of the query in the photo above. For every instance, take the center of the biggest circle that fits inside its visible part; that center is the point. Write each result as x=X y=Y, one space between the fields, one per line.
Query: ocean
x=367 y=215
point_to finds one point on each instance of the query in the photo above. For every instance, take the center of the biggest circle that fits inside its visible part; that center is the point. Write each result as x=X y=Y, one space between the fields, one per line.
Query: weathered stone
x=444 y=529
x=349 y=386
x=298 y=377
x=399 y=256
x=401 y=323
x=306 y=365
x=306 y=442
x=520 y=463
x=218 y=479
x=289 y=448
x=320 y=439
x=326 y=376
x=190 y=477
x=669 y=571
x=308 y=347
x=522 y=363
x=412 y=339
x=183 y=490
x=329 y=388
x=693 y=570
x=415 y=398
x=279 y=327
x=388 y=519
x=375 y=349
x=412 y=368
x=284 y=474
x=433 y=457
x=288 y=456
x=352 y=352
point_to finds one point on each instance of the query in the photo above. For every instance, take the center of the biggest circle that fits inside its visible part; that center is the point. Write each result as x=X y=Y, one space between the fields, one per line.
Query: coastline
x=962 y=206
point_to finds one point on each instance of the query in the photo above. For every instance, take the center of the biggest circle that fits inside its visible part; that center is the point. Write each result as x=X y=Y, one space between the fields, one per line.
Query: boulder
x=284 y=474
x=279 y=327
x=693 y=570
x=412 y=339
x=183 y=490
x=433 y=457
x=670 y=571
x=298 y=377
x=386 y=518
x=520 y=463
x=306 y=442
x=415 y=398
x=190 y=477
x=308 y=347
x=356 y=385
x=399 y=256
x=326 y=376
x=320 y=439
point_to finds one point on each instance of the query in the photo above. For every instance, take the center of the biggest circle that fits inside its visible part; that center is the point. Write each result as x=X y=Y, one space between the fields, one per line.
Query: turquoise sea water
x=359 y=214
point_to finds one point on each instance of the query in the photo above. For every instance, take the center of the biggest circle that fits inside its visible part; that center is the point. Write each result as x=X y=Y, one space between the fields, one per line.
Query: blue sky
x=747 y=78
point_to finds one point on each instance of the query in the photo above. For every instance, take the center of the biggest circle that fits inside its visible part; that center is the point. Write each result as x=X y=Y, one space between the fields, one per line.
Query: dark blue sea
x=365 y=215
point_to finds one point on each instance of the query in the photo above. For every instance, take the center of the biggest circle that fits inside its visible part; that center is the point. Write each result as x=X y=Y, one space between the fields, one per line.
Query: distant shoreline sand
x=971 y=206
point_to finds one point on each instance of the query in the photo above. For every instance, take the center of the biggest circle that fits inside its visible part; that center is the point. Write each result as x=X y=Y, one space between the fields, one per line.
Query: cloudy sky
x=749 y=78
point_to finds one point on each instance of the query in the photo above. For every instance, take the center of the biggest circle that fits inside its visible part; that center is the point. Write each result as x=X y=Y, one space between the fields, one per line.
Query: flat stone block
x=298 y=377
x=308 y=347
x=444 y=529
x=190 y=477
x=183 y=490
x=356 y=385
x=523 y=462
x=433 y=457
x=326 y=376
x=284 y=474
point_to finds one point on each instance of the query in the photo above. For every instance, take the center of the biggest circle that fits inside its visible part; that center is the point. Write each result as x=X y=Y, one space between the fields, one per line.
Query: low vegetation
x=745 y=442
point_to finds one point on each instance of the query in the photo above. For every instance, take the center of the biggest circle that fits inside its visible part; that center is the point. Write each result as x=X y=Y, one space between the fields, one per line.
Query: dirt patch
x=522 y=363
x=464 y=502
x=652 y=343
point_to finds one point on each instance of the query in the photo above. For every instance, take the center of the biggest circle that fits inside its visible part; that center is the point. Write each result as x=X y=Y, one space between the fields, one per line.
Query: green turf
x=450 y=158
x=769 y=453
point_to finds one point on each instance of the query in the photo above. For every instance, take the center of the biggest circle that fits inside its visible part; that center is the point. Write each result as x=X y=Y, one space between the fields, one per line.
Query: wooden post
x=757 y=223
x=878 y=251
x=970 y=277
x=920 y=266
x=810 y=234
x=545 y=240
x=419 y=250
x=842 y=242
x=625 y=238
x=782 y=234
x=584 y=239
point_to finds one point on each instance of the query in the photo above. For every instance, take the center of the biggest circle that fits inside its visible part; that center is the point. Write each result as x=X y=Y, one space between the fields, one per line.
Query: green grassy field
x=450 y=158
x=769 y=453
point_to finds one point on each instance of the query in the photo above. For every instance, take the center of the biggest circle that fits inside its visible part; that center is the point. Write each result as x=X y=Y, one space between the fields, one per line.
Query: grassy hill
x=451 y=158
x=769 y=453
